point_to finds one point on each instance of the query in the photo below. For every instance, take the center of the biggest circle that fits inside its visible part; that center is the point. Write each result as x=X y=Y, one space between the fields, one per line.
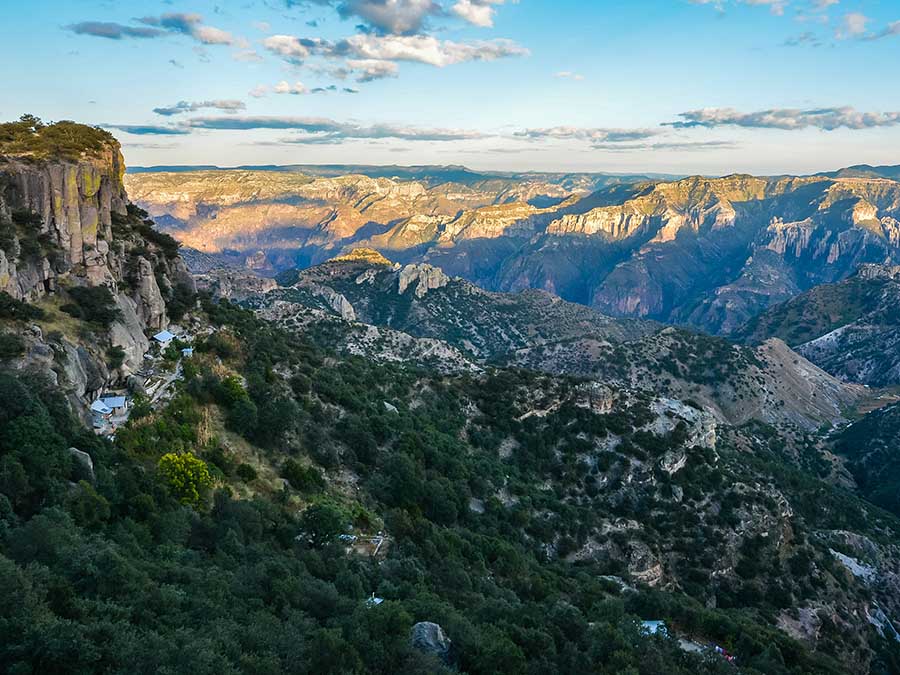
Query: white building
x=164 y=338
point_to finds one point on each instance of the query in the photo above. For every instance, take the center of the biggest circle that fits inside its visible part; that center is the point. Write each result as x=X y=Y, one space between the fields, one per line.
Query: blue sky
x=681 y=86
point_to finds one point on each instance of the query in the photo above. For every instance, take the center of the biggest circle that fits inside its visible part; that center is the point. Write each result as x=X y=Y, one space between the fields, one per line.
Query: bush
x=181 y=299
x=167 y=244
x=11 y=346
x=186 y=476
x=115 y=357
x=302 y=478
x=246 y=473
x=10 y=308
x=94 y=304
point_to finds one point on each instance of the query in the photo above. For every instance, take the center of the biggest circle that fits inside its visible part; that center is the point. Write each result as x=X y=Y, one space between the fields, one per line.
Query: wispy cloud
x=148 y=129
x=777 y=7
x=853 y=25
x=593 y=136
x=805 y=39
x=156 y=26
x=891 y=30
x=827 y=119
x=191 y=25
x=321 y=129
x=113 y=31
x=183 y=107
x=569 y=75
x=428 y=49
x=680 y=146
x=425 y=49
x=369 y=70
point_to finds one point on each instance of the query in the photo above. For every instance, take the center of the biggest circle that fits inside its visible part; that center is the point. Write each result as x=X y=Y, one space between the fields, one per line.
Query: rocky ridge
x=381 y=310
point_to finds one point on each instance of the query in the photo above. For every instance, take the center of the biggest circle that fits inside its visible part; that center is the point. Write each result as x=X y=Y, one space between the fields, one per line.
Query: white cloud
x=259 y=91
x=428 y=49
x=297 y=89
x=827 y=119
x=476 y=12
x=324 y=130
x=853 y=25
x=288 y=47
x=368 y=70
x=569 y=75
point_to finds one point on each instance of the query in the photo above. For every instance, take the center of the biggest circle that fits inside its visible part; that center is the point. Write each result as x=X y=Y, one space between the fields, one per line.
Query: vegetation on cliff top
x=30 y=137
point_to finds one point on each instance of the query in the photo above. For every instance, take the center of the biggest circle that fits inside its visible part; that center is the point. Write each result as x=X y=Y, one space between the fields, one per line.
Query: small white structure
x=187 y=352
x=373 y=601
x=164 y=338
x=115 y=403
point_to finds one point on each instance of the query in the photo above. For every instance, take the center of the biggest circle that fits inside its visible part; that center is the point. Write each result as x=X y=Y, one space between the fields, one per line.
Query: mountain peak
x=367 y=255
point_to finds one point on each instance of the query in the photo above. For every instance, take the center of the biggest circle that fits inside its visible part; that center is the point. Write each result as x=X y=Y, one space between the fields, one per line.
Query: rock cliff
x=66 y=224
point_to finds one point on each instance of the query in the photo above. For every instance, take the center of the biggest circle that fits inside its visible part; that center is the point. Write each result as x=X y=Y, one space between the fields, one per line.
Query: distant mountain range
x=705 y=252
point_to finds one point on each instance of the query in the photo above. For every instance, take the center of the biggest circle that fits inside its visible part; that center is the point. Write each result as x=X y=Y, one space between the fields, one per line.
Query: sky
x=668 y=86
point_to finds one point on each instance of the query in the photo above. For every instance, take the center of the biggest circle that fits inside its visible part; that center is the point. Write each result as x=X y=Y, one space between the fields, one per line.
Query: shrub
x=302 y=478
x=246 y=473
x=115 y=357
x=11 y=346
x=93 y=304
x=10 y=308
x=186 y=476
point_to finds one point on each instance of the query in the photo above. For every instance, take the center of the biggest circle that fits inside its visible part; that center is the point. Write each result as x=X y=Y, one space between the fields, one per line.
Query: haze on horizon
x=668 y=86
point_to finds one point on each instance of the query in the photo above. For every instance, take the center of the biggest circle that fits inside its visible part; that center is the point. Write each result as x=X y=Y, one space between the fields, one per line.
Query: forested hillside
x=513 y=506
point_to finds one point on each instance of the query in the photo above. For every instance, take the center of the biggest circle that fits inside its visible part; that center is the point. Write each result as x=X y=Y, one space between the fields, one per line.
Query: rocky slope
x=417 y=313
x=710 y=253
x=66 y=224
x=850 y=329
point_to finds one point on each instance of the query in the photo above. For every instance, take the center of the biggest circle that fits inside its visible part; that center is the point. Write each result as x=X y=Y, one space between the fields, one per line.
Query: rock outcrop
x=66 y=223
x=430 y=638
x=424 y=277
x=73 y=203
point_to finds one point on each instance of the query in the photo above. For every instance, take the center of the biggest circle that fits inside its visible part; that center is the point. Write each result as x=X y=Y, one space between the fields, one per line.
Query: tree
x=186 y=476
x=322 y=522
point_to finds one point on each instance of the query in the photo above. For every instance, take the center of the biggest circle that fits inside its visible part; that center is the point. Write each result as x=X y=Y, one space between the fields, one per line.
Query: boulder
x=85 y=461
x=429 y=638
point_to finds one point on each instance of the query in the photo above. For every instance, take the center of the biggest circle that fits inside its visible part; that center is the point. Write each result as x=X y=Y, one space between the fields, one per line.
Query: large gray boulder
x=85 y=461
x=429 y=638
